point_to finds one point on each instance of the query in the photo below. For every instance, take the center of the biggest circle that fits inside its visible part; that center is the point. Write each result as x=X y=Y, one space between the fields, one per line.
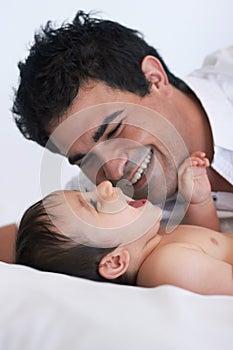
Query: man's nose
x=114 y=168
x=107 y=161
x=112 y=159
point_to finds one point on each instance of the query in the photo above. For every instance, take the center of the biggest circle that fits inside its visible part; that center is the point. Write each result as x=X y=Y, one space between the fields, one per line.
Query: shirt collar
x=217 y=107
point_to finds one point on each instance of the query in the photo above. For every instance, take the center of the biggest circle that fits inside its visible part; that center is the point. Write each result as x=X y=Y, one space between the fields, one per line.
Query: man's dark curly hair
x=62 y=60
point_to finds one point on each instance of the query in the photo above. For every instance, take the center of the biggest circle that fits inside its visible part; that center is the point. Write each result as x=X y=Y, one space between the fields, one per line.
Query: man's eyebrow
x=101 y=130
x=97 y=135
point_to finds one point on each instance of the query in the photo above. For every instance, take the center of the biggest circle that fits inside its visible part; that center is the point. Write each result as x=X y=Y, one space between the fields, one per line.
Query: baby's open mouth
x=137 y=203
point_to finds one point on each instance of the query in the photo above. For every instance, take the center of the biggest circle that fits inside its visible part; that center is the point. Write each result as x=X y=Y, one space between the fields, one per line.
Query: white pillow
x=46 y=311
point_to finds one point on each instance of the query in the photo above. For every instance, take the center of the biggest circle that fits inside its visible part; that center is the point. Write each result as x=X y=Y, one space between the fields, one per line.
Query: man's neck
x=194 y=124
x=197 y=134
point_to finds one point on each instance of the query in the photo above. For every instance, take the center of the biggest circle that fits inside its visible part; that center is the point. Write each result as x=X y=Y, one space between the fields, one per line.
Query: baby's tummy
x=227 y=247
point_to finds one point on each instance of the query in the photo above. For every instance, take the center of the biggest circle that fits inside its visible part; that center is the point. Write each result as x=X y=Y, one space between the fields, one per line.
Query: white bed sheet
x=49 y=311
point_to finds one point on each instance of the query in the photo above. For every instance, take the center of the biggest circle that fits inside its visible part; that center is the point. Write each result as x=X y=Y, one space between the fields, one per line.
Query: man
x=91 y=62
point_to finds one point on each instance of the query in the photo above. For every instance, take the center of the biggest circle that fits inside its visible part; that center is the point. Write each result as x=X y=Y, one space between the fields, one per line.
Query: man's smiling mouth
x=141 y=169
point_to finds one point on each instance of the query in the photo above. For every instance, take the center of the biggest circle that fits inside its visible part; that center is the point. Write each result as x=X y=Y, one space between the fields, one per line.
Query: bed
x=49 y=311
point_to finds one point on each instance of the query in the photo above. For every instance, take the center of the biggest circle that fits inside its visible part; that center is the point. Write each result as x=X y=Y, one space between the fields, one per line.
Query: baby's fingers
x=198 y=154
x=200 y=162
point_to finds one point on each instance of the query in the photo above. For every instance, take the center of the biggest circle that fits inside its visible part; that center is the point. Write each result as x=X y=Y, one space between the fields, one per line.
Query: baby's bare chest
x=214 y=244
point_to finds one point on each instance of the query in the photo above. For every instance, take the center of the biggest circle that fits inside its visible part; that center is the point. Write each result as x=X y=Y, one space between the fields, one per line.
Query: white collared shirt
x=213 y=85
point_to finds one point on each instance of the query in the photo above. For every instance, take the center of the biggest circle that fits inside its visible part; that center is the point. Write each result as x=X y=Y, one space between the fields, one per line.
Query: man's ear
x=114 y=264
x=155 y=73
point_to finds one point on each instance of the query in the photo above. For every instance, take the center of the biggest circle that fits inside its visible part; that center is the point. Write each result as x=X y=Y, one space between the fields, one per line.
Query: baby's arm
x=188 y=268
x=194 y=186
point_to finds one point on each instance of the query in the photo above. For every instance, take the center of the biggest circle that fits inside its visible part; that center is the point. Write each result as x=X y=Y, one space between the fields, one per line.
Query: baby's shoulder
x=163 y=260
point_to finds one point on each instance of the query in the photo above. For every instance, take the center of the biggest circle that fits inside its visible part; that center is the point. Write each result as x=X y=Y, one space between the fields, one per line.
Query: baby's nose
x=106 y=191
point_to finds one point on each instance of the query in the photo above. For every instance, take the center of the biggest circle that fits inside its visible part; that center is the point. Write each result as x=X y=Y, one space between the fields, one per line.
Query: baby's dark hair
x=63 y=59
x=40 y=245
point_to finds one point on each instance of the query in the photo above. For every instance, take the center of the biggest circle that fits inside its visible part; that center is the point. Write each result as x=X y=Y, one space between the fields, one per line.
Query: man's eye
x=114 y=131
x=94 y=204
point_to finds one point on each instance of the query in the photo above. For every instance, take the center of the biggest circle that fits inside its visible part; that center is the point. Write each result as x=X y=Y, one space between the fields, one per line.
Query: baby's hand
x=193 y=180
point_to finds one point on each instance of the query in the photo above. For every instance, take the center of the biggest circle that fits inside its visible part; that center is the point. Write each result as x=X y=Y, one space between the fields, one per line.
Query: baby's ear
x=114 y=264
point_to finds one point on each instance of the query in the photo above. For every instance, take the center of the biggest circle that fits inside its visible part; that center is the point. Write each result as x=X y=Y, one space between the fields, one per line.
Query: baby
x=104 y=235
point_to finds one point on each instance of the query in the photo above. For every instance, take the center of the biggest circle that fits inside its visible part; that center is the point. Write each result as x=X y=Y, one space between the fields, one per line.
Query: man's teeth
x=141 y=170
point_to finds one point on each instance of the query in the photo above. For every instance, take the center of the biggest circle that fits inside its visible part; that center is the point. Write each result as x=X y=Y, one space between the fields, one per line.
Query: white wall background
x=183 y=31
